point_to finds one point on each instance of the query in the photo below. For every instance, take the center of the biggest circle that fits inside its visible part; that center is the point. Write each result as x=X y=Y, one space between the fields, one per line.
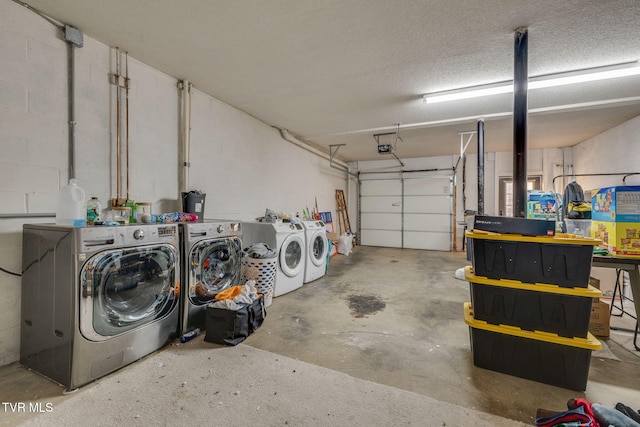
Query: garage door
x=410 y=212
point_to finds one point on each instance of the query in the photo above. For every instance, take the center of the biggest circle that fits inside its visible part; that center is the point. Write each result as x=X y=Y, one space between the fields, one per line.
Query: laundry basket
x=263 y=271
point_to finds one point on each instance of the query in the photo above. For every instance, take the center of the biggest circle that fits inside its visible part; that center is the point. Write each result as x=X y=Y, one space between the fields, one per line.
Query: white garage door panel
x=427 y=240
x=416 y=215
x=381 y=221
x=427 y=222
x=379 y=204
x=428 y=204
x=391 y=239
x=421 y=187
x=380 y=188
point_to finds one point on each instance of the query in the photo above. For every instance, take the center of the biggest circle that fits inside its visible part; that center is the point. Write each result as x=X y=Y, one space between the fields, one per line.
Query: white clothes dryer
x=288 y=240
x=317 y=247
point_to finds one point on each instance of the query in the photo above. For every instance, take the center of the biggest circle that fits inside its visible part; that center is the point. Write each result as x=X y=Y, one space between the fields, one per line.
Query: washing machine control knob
x=138 y=234
x=220 y=228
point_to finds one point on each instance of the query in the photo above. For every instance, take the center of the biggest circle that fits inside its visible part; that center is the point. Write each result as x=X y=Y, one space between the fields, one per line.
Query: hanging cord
x=35 y=261
x=10 y=272
x=395 y=144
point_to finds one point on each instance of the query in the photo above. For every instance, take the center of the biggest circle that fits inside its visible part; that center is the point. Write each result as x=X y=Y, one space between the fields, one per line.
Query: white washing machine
x=288 y=240
x=211 y=256
x=317 y=247
x=95 y=299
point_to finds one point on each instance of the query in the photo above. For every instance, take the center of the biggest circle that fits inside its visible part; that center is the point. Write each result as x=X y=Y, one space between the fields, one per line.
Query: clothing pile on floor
x=236 y=297
x=584 y=413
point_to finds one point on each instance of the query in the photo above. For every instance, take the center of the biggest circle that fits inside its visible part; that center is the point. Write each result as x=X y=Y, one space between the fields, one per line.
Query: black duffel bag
x=231 y=327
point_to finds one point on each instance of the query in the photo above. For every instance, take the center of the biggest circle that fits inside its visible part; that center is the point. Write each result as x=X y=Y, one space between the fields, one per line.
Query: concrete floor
x=395 y=317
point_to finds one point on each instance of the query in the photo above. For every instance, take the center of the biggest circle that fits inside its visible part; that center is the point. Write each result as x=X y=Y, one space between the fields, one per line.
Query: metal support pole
x=520 y=87
x=480 y=167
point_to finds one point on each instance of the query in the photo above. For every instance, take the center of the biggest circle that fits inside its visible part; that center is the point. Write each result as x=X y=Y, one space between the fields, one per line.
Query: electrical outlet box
x=73 y=35
x=385 y=148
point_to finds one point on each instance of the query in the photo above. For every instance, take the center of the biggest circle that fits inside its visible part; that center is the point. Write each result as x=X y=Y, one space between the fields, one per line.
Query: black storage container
x=193 y=203
x=563 y=260
x=537 y=356
x=532 y=307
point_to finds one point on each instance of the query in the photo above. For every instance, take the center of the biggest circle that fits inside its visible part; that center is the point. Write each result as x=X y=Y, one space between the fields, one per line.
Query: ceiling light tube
x=583 y=76
x=539 y=82
x=467 y=93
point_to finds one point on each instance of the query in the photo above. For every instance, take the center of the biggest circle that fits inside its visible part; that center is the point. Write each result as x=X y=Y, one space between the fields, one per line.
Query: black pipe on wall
x=480 y=167
x=520 y=107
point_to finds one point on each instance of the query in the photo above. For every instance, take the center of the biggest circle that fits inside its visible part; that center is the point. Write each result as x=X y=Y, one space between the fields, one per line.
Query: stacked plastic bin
x=530 y=306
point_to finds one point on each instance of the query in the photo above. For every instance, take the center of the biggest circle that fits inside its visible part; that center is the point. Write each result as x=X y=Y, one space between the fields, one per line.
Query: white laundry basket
x=263 y=271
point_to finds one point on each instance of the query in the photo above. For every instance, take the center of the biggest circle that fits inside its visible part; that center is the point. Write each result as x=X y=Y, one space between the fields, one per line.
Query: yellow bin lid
x=590 y=291
x=589 y=343
x=558 y=239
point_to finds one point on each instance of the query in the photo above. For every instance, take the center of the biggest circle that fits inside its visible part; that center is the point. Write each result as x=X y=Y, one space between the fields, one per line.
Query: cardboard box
x=596 y=284
x=620 y=204
x=542 y=206
x=607 y=279
x=620 y=238
x=333 y=237
x=599 y=320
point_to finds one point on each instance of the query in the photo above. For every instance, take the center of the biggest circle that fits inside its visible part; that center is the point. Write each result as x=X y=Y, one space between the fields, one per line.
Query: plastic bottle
x=94 y=210
x=188 y=336
x=71 y=209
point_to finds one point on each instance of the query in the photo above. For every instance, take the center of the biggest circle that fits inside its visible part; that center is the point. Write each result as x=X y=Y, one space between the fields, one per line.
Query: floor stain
x=362 y=305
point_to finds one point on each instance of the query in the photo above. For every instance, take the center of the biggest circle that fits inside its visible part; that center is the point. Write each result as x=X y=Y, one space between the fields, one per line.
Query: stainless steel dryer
x=212 y=256
x=95 y=299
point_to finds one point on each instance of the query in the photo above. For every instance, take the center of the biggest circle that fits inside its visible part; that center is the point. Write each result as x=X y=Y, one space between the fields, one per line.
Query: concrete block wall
x=242 y=164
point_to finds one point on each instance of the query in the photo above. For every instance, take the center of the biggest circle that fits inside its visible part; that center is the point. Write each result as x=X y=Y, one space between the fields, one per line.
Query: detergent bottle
x=94 y=210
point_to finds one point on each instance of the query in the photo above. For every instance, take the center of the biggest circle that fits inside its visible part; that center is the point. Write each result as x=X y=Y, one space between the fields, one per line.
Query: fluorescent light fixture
x=539 y=82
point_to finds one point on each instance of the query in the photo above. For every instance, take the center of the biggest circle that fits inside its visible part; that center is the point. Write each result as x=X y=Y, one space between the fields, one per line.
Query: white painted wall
x=616 y=150
x=242 y=164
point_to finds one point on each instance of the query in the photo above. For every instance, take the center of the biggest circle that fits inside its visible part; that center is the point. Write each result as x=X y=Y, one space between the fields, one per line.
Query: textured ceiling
x=340 y=71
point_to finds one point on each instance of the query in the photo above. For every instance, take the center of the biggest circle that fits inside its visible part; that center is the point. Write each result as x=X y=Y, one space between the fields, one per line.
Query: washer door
x=318 y=248
x=291 y=254
x=123 y=289
x=214 y=265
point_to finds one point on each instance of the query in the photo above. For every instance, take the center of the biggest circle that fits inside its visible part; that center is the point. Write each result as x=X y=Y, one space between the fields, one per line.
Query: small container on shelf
x=94 y=210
